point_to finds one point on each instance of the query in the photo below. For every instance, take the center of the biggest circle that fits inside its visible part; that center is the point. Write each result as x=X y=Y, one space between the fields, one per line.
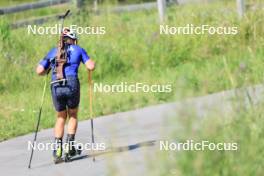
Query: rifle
x=61 y=58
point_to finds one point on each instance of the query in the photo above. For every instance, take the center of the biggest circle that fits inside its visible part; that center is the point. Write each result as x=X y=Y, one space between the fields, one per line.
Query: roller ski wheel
x=70 y=154
x=67 y=158
x=58 y=160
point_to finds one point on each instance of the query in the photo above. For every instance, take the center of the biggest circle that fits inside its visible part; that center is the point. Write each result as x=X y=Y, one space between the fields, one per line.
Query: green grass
x=133 y=51
x=243 y=126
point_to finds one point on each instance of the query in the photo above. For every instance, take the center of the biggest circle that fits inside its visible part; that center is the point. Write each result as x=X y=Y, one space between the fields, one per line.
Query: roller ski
x=57 y=153
x=71 y=152
x=68 y=156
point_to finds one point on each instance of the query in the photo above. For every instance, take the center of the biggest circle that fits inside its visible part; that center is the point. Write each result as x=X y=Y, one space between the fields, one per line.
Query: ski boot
x=70 y=150
x=57 y=153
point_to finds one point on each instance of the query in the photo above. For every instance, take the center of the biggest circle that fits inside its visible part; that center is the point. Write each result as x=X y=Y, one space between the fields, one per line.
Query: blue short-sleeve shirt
x=75 y=55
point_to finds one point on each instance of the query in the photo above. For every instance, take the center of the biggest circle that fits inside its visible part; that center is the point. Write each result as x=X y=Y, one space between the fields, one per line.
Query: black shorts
x=66 y=95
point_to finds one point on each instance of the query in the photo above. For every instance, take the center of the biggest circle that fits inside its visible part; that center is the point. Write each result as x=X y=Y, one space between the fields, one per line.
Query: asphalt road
x=132 y=138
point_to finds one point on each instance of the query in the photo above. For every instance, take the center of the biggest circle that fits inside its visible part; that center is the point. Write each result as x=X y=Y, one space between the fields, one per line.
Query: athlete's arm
x=40 y=70
x=89 y=63
x=44 y=65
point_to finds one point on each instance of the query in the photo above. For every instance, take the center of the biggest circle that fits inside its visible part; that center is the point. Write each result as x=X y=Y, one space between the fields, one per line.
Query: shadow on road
x=108 y=151
x=117 y=149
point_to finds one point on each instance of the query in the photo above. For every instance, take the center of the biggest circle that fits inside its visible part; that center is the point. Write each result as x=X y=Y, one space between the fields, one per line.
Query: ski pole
x=39 y=116
x=91 y=107
x=42 y=100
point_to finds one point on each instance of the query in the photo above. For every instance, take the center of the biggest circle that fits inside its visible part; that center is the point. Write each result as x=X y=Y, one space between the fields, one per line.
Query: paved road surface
x=131 y=138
